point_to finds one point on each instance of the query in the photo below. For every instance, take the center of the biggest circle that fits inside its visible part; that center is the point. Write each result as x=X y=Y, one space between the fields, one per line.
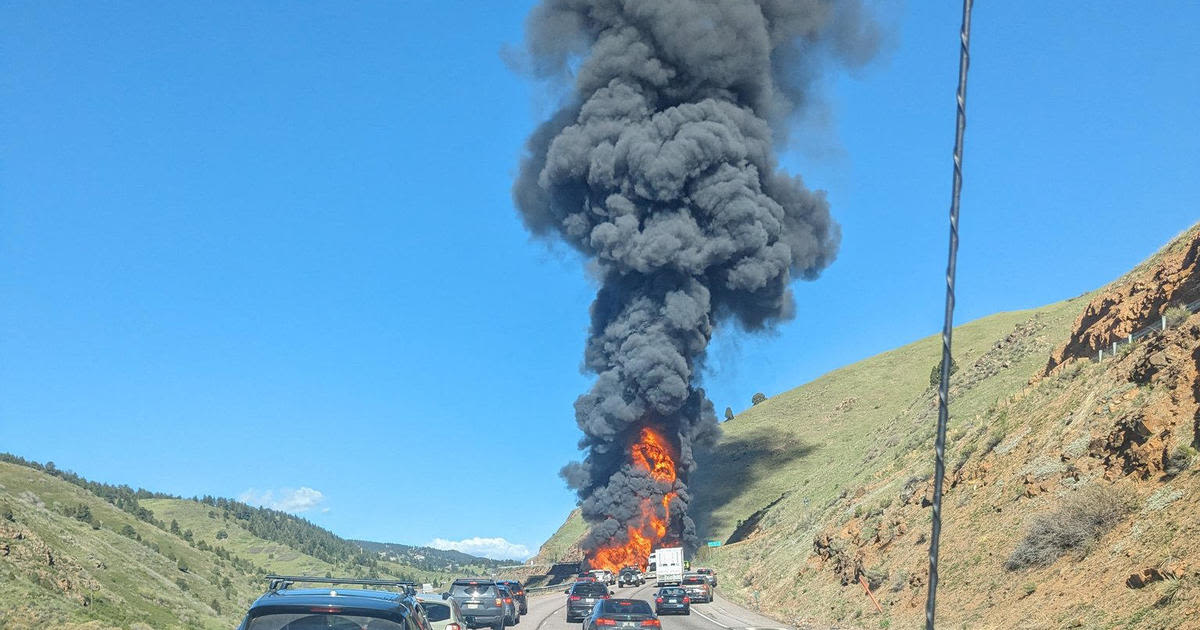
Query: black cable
x=939 y=448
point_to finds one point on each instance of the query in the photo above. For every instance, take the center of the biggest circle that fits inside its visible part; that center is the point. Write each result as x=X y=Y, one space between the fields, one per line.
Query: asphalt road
x=547 y=612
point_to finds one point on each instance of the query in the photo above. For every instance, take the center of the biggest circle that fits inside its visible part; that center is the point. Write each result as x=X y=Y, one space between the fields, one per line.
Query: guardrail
x=1129 y=339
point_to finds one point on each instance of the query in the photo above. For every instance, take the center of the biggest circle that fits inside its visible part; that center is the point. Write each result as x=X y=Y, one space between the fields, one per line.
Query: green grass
x=116 y=581
x=123 y=581
x=800 y=442
x=570 y=533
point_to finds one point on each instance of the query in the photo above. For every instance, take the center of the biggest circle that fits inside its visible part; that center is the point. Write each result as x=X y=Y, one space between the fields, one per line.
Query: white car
x=443 y=614
x=602 y=576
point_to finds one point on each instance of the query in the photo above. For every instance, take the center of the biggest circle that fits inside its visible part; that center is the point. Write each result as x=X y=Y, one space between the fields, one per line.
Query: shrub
x=222 y=534
x=935 y=375
x=1176 y=315
x=181 y=583
x=1181 y=459
x=1083 y=518
x=757 y=398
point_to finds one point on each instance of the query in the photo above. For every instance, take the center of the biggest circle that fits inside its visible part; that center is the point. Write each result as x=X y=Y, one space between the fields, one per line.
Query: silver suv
x=481 y=602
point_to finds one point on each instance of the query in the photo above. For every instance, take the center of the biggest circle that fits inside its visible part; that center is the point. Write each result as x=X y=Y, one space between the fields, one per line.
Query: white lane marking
x=711 y=619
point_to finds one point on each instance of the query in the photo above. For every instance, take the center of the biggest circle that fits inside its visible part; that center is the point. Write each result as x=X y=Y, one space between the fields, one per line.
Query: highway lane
x=547 y=612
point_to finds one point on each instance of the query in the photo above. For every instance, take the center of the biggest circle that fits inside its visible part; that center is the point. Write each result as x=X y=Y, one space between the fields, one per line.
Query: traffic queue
x=469 y=604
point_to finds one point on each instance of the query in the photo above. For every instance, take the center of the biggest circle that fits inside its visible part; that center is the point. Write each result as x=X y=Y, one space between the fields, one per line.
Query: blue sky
x=268 y=250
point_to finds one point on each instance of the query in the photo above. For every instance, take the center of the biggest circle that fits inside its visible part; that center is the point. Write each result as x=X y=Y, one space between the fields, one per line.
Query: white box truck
x=668 y=566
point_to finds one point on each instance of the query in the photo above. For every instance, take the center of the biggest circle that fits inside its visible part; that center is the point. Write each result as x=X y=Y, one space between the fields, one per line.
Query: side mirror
x=568 y=591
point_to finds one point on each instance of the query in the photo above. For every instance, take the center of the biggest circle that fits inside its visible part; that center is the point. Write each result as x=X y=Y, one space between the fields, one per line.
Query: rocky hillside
x=77 y=554
x=1071 y=490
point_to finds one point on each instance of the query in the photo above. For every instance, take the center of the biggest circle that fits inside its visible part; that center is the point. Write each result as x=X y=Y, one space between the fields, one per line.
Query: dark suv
x=518 y=593
x=285 y=608
x=481 y=602
x=582 y=597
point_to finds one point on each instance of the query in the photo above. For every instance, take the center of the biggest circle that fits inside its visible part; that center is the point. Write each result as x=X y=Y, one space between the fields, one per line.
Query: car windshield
x=589 y=589
x=309 y=621
x=435 y=611
x=473 y=590
x=625 y=607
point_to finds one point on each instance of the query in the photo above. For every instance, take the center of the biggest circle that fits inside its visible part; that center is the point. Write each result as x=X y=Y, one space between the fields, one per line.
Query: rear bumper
x=487 y=619
x=671 y=608
x=578 y=612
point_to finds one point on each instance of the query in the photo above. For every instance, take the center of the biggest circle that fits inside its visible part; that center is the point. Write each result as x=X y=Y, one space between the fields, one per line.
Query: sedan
x=672 y=599
x=622 y=614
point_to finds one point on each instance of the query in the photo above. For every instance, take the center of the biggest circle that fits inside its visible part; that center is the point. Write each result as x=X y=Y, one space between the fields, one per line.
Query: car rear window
x=672 y=592
x=626 y=607
x=309 y=621
x=589 y=588
x=435 y=611
x=473 y=590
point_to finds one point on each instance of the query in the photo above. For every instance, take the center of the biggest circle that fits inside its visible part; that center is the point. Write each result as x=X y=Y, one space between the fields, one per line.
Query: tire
x=499 y=625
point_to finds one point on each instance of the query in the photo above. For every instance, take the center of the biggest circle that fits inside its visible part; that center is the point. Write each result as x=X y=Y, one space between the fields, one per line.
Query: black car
x=621 y=614
x=512 y=609
x=480 y=601
x=518 y=592
x=582 y=597
x=672 y=599
x=286 y=608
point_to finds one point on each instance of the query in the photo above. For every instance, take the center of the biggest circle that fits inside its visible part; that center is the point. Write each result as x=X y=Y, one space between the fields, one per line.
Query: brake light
x=651 y=623
x=499 y=602
x=325 y=609
x=603 y=621
x=453 y=626
x=687 y=600
x=606 y=597
x=507 y=600
x=575 y=598
x=658 y=600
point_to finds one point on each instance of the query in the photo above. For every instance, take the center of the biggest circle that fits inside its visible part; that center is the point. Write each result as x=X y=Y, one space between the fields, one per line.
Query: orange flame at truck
x=651 y=454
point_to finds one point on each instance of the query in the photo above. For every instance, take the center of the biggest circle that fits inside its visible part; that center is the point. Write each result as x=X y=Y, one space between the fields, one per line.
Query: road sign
x=714 y=543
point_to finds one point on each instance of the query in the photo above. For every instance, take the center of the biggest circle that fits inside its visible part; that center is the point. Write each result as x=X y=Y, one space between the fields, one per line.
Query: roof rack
x=281 y=582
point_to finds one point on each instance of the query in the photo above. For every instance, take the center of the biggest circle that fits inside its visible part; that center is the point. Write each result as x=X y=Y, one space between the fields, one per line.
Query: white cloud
x=494 y=548
x=301 y=499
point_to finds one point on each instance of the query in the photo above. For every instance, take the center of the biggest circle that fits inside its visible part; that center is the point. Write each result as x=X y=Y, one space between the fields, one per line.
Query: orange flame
x=651 y=454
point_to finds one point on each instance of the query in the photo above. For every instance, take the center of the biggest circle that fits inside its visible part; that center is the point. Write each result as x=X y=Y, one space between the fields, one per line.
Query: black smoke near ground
x=660 y=168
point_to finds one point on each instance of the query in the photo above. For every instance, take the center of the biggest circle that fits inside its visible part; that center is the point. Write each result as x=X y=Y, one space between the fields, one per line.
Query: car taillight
x=453 y=626
x=606 y=597
x=658 y=600
x=325 y=609
x=507 y=600
x=687 y=600
x=499 y=602
x=575 y=598
x=602 y=621
x=651 y=623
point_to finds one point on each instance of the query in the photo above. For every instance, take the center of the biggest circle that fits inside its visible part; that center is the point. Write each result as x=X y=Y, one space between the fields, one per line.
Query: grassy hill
x=78 y=554
x=1071 y=485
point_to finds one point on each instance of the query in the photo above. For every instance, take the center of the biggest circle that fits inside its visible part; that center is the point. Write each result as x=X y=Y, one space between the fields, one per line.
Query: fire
x=652 y=454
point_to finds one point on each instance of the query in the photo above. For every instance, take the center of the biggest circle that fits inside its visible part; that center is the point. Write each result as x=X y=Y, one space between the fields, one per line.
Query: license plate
x=474 y=606
x=673 y=601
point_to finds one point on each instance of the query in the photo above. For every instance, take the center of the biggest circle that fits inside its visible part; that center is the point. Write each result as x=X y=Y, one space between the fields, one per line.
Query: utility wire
x=964 y=60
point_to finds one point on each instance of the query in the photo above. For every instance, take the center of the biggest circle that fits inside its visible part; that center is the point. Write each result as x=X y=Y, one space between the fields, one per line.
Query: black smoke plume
x=660 y=168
